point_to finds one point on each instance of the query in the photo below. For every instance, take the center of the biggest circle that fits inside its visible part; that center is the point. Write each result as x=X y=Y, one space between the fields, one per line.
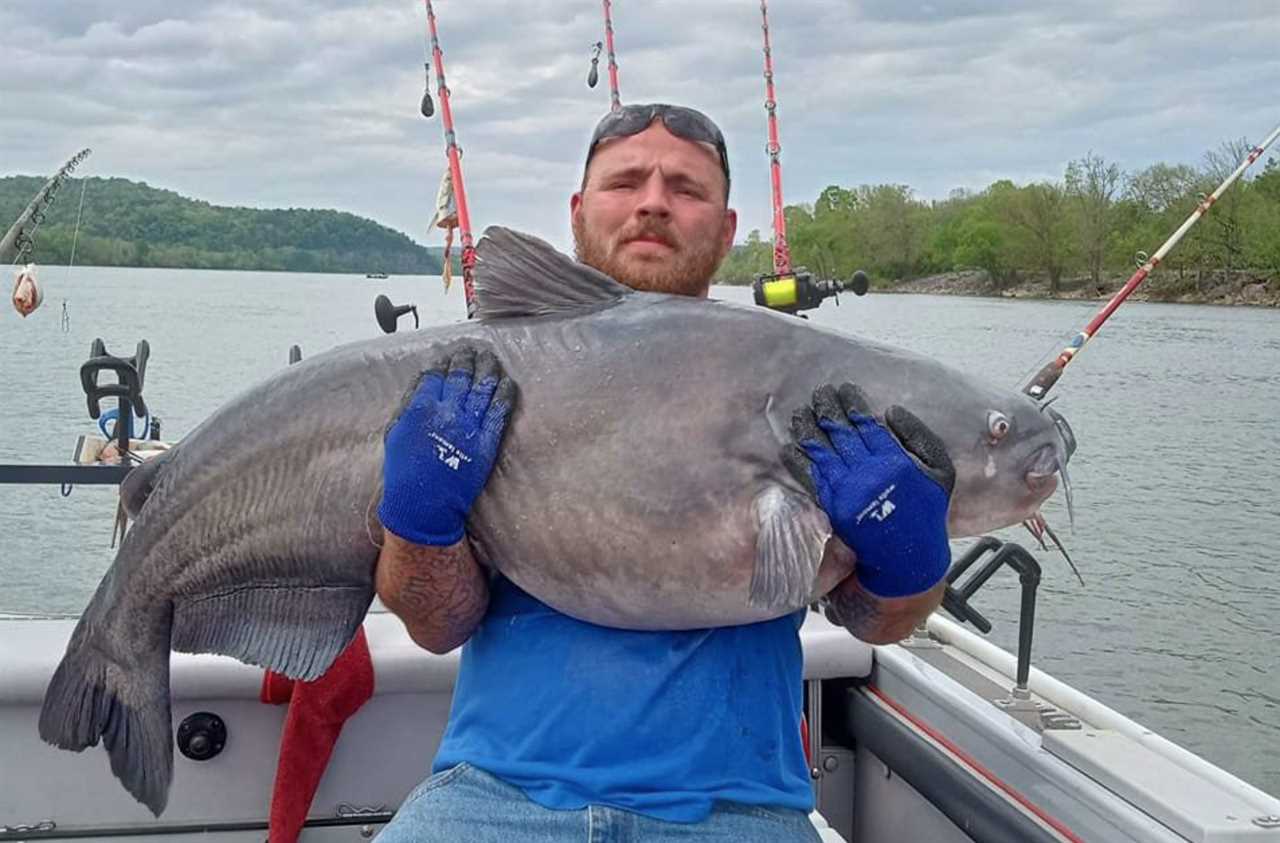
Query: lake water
x=1176 y=479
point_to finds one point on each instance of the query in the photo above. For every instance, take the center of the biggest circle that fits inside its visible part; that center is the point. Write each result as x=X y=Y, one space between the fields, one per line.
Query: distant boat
x=376 y=275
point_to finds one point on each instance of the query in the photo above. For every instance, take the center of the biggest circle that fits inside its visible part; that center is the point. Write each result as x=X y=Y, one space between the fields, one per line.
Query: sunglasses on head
x=680 y=121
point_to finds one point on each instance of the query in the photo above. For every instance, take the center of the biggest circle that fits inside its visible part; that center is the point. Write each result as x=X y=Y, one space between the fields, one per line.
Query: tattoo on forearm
x=439 y=592
x=853 y=608
x=879 y=620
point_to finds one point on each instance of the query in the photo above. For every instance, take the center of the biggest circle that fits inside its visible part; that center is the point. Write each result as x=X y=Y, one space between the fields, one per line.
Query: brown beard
x=689 y=274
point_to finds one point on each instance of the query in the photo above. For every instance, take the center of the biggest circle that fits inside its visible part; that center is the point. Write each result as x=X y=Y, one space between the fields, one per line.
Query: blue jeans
x=465 y=803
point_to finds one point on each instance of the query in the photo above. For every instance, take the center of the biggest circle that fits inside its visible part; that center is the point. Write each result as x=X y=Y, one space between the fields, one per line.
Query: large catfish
x=639 y=485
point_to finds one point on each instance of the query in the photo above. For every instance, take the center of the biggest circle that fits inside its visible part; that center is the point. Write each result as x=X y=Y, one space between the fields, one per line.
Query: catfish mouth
x=1009 y=503
x=992 y=499
x=1050 y=460
x=1042 y=471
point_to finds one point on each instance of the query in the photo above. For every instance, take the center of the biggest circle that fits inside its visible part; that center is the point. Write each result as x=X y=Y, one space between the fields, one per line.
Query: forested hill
x=127 y=223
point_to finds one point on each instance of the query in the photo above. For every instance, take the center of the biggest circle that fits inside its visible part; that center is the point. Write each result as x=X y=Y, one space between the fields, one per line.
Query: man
x=562 y=730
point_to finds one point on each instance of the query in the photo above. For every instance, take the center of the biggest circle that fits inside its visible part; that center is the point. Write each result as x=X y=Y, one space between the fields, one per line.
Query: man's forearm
x=880 y=620
x=440 y=593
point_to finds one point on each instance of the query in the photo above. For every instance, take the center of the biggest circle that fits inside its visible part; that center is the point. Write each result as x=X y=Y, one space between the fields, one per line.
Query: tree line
x=1087 y=227
x=127 y=223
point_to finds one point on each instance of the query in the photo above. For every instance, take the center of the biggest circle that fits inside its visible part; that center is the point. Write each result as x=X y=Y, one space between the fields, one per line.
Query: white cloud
x=285 y=103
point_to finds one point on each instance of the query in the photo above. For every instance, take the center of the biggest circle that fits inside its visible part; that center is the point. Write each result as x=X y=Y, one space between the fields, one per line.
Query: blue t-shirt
x=660 y=723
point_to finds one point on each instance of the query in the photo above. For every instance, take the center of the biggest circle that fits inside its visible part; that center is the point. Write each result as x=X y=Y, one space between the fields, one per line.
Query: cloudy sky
x=283 y=103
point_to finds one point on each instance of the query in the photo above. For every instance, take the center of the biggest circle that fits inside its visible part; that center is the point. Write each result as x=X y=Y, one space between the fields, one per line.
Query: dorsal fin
x=518 y=274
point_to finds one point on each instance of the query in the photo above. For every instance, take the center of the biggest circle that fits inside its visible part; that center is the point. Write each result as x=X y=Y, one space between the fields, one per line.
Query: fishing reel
x=792 y=292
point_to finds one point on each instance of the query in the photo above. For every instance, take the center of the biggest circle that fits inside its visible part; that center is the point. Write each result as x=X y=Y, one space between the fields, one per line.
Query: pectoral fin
x=792 y=537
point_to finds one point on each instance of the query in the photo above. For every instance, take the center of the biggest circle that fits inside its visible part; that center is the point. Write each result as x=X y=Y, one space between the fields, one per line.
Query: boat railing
x=86 y=468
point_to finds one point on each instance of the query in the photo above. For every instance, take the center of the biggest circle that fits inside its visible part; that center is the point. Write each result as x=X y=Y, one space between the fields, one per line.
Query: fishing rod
x=781 y=251
x=455 y=165
x=19 y=240
x=593 y=75
x=785 y=290
x=1038 y=387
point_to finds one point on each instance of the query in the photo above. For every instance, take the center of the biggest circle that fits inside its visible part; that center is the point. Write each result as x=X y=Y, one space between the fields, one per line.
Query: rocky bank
x=1238 y=288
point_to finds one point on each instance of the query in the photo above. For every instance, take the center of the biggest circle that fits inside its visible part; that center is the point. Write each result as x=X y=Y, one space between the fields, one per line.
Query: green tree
x=1091 y=186
x=1039 y=211
x=981 y=243
x=745 y=262
x=947 y=218
x=1160 y=197
x=1225 y=232
x=894 y=225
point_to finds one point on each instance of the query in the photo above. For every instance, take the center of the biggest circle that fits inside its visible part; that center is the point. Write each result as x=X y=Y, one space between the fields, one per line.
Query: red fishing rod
x=781 y=251
x=1039 y=386
x=594 y=76
x=455 y=165
x=788 y=290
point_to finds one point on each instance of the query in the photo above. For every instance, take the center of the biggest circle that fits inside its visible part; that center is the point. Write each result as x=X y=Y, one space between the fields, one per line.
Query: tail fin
x=87 y=700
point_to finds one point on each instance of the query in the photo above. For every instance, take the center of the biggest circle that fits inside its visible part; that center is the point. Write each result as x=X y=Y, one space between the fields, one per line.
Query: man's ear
x=575 y=206
x=729 y=230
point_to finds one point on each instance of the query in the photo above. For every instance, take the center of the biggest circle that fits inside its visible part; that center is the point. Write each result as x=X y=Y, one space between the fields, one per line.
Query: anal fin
x=296 y=630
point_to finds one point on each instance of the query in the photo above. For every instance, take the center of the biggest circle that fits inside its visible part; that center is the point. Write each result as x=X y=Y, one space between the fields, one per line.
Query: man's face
x=652 y=213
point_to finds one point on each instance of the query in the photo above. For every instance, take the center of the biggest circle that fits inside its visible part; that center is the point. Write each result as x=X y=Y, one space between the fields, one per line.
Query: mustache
x=650 y=231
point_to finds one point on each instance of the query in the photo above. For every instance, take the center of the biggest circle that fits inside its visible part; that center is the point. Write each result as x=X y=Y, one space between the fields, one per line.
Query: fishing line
x=75 y=237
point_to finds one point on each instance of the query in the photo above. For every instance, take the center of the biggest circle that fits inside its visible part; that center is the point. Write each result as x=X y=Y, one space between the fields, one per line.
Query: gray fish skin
x=639 y=486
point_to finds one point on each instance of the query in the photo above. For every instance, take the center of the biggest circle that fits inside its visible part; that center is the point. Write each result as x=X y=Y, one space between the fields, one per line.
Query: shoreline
x=1219 y=291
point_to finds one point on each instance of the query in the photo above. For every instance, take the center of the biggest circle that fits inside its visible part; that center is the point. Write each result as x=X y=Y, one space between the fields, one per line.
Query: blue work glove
x=889 y=508
x=439 y=451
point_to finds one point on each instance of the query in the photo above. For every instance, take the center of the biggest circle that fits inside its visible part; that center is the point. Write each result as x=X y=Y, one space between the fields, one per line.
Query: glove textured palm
x=889 y=508
x=440 y=450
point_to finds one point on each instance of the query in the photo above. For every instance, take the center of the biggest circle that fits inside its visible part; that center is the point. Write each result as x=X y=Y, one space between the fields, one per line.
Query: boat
x=940 y=737
x=378 y=275
x=916 y=741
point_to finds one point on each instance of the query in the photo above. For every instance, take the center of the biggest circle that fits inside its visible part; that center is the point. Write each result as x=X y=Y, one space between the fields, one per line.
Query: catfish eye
x=997 y=425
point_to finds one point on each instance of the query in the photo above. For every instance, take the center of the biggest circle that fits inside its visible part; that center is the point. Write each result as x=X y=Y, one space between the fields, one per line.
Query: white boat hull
x=912 y=749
